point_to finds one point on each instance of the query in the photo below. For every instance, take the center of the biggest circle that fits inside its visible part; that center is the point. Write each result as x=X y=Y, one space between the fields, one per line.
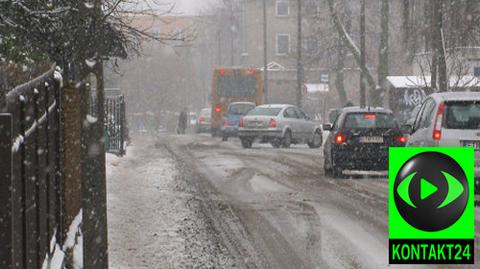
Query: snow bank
x=55 y=259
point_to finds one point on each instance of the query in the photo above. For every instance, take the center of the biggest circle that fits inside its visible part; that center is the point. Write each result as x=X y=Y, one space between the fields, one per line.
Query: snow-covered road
x=193 y=201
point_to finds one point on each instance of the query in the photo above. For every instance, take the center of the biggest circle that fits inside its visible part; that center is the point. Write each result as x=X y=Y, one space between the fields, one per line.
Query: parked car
x=449 y=119
x=280 y=125
x=203 y=123
x=192 y=119
x=359 y=140
x=235 y=111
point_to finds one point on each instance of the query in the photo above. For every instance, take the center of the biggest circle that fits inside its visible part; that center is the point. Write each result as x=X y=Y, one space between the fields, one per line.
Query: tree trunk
x=95 y=196
x=339 y=77
x=439 y=65
x=383 y=65
x=363 y=56
x=348 y=42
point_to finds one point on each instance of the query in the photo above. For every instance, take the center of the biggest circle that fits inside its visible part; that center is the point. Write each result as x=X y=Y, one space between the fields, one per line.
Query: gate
x=115 y=129
x=115 y=121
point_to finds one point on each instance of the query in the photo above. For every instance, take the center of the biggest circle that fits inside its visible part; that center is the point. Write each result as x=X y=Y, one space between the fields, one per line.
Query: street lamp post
x=300 y=74
x=265 y=50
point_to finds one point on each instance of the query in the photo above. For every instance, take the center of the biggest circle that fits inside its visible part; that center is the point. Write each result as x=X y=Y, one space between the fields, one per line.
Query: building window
x=283 y=7
x=312 y=7
x=476 y=71
x=178 y=34
x=283 y=44
x=311 y=45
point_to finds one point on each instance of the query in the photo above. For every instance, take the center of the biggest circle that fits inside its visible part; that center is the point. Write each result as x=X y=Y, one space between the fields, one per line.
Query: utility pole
x=232 y=35
x=265 y=51
x=299 y=56
x=362 y=55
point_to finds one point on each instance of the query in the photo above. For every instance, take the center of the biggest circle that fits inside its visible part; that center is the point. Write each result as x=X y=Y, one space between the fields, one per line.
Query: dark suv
x=359 y=140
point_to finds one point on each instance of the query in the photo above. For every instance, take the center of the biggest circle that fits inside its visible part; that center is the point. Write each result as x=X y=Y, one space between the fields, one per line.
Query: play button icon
x=427 y=189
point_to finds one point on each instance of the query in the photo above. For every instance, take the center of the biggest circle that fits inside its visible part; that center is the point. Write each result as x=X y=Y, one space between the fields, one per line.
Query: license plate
x=473 y=144
x=371 y=139
x=255 y=124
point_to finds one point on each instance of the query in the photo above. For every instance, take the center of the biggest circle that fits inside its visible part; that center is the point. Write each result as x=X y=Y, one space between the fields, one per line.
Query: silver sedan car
x=280 y=125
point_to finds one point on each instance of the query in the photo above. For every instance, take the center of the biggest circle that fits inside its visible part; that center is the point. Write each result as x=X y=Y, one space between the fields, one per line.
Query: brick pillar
x=72 y=153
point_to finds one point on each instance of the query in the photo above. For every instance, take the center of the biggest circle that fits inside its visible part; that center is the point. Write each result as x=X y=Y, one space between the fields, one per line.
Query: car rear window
x=206 y=112
x=462 y=115
x=264 y=111
x=370 y=120
x=240 y=109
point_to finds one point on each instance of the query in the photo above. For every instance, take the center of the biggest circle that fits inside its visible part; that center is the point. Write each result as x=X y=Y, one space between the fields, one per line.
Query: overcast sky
x=189 y=7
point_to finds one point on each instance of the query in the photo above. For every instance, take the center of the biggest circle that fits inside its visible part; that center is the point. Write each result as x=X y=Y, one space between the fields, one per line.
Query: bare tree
x=350 y=44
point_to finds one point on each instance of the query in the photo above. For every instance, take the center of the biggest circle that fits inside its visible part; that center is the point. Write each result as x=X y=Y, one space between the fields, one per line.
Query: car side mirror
x=327 y=127
x=407 y=129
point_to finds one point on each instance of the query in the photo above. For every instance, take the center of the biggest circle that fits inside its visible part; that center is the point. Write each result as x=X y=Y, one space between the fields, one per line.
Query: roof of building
x=412 y=82
x=451 y=96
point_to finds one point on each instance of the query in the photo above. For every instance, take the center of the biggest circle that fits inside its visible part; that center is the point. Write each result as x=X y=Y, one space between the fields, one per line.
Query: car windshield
x=462 y=115
x=264 y=111
x=370 y=120
x=240 y=109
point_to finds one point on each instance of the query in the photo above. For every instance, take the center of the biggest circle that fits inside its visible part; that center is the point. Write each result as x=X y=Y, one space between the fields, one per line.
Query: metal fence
x=115 y=121
x=31 y=192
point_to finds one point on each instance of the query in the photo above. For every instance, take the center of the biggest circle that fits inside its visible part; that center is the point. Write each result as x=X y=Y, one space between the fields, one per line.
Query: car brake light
x=401 y=139
x=222 y=72
x=273 y=123
x=252 y=71
x=240 y=124
x=370 y=116
x=218 y=109
x=340 y=138
x=437 y=128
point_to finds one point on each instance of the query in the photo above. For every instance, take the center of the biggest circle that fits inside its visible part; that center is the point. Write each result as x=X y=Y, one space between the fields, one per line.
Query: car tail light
x=201 y=119
x=273 y=123
x=340 y=138
x=437 y=128
x=370 y=116
x=240 y=123
x=225 y=122
x=401 y=139
x=218 y=109
x=222 y=72
x=252 y=71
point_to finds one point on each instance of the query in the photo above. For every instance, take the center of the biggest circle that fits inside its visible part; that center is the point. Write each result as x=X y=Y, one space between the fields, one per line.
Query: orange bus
x=234 y=85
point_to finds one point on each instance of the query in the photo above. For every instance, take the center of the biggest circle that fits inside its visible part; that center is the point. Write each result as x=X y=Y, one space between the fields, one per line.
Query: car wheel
x=326 y=169
x=317 y=140
x=246 y=142
x=287 y=139
x=276 y=143
x=337 y=171
x=224 y=137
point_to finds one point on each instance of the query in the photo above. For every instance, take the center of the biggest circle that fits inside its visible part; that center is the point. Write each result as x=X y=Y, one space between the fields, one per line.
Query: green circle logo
x=431 y=191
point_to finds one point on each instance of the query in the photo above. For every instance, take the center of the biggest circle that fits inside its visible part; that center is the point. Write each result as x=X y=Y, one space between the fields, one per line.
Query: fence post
x=6 y=246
